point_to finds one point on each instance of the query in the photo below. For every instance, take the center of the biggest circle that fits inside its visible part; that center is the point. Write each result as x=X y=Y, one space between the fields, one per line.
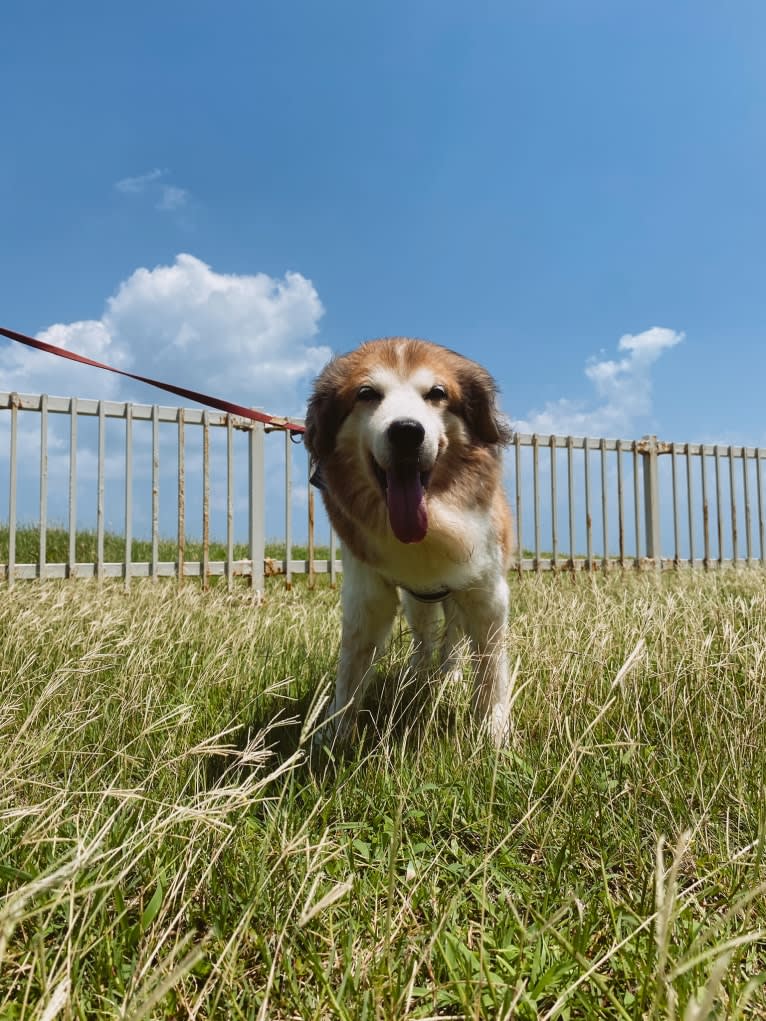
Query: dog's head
x=392 y=411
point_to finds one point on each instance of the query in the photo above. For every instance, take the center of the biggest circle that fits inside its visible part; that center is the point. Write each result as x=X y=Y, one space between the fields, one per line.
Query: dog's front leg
x=369 y=604
x=425 y=621
x=485 y=611
x=454 y=645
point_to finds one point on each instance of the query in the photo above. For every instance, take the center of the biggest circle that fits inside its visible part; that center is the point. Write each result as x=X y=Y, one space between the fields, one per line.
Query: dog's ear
x=479 y=406
x=325 y=413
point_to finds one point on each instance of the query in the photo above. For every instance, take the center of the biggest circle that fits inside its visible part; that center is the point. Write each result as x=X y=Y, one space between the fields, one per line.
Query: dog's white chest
x=454 y=554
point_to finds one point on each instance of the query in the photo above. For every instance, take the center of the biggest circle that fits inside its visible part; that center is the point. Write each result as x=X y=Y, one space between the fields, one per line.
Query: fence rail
x=580 y=503
x=646 y=503
x=157 y=419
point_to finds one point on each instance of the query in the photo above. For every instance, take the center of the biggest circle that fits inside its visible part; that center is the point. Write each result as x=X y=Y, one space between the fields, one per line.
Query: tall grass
x=167 y=849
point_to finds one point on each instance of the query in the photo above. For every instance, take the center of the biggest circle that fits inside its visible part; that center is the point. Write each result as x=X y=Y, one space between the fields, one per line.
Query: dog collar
x=428 y=597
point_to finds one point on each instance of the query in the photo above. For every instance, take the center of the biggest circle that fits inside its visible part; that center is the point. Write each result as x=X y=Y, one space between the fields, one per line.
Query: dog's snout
x=405 y=436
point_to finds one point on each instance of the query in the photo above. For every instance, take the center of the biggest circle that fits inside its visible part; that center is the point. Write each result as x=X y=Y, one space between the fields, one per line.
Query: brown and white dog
x=406 y=446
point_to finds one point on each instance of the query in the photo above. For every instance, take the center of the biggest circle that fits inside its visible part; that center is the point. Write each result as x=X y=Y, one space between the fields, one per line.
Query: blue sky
x=526 y=182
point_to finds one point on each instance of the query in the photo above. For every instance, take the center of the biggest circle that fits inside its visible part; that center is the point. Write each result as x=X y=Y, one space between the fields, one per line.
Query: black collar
x=428 y=597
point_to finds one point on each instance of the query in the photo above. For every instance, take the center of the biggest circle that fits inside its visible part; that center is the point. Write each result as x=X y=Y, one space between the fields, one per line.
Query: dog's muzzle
x=404 y=480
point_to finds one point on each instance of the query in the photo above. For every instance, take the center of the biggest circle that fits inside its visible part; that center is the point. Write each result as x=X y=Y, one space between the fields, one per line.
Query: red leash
x=191 y=395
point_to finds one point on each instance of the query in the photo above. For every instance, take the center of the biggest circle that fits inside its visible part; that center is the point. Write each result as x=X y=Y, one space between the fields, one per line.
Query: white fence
x=637 y=503
x=580 y=503
x=244 y=460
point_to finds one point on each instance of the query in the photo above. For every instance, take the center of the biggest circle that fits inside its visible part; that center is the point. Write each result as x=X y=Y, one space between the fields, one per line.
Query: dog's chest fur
x=460 y=548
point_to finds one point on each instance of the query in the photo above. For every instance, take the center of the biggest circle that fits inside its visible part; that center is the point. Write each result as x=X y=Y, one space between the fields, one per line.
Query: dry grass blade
x=168 y=848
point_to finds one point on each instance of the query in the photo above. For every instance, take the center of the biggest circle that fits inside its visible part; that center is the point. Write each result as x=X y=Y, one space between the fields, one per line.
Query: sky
x=224 y=194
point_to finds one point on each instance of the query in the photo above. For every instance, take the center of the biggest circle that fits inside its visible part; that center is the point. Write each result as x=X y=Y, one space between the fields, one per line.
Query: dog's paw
x=453 y=673
x=500 y=725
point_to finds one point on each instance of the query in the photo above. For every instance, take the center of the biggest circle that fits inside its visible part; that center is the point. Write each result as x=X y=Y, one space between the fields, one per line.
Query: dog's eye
x=436 y=393
x=367 y=393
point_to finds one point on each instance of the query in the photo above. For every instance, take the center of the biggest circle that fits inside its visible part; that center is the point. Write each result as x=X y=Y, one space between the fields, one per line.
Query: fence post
x=288 y=508
x=257 y=506
x=12 y=491
x=651 y=499
x=310 y=549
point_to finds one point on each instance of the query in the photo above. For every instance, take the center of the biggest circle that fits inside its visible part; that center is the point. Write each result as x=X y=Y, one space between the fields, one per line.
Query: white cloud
x=168 y=198
x=247 y=338
x=28 y=371
x=172 y=198
x=138 y=185
x=623 y=386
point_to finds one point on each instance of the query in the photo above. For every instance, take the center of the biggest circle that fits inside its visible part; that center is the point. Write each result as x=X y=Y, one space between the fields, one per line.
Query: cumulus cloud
x=27 y=371
x=249 y=338
x=623 y=389
x=244 y=337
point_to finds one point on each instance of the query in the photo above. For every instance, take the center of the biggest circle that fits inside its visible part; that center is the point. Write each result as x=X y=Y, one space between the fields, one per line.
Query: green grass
x=57 y=548
x=166 y=849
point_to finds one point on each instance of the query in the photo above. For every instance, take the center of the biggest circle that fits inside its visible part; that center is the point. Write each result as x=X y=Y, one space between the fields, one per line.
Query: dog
x=405 y=440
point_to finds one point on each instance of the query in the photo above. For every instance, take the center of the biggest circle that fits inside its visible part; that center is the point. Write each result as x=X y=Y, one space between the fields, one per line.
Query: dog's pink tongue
x=407 y=510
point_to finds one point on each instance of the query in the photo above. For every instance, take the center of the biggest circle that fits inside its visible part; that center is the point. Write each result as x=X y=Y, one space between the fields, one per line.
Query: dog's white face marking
x=403 y=400
x=398 y=420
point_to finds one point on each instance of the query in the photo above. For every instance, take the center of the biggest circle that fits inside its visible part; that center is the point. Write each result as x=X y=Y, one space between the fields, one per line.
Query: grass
x=168 y=851
x=57 y=548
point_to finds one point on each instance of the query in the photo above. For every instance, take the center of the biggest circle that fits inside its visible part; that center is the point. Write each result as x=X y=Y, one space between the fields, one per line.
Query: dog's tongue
x=406 y=503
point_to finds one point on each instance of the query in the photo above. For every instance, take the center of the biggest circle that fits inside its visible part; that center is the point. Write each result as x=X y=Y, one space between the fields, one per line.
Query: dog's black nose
x=405 y=436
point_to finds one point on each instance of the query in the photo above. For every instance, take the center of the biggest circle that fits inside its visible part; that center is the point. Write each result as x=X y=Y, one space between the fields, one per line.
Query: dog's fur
x=406 y=446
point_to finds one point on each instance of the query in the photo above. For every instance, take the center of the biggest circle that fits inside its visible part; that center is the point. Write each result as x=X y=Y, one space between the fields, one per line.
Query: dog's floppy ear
x=479 y=406
x=325 y=414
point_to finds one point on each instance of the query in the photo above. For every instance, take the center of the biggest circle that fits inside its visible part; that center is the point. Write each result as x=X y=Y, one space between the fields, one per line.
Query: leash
x=275 y=421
